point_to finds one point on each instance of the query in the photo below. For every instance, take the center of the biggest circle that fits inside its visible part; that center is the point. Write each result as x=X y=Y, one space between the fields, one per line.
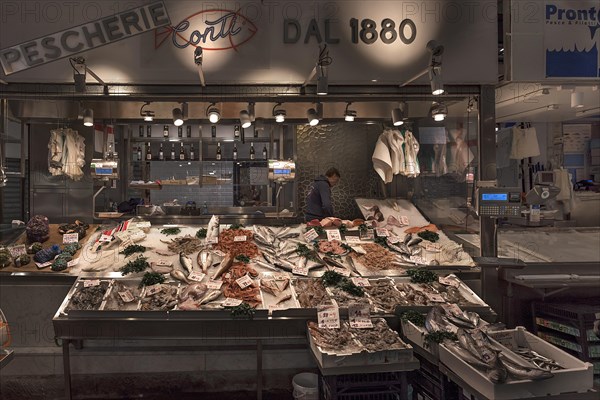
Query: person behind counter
x=318 y=201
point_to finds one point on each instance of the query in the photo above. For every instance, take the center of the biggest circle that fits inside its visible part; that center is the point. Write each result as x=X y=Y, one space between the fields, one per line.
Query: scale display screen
x=104 y=171
x=282 y=170
x=494 y=196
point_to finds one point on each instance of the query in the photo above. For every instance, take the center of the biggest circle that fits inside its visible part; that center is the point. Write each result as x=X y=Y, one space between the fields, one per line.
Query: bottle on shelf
x=252 y=152
x=213 y=131
x=192 y=153
x=236 y=132
x=161 y=155
x=181 y=153
x=141 y=130
x=149 y=131
x=173 y=151
x=166 y=131
x=148 y=152
x=188 y=131
x=255 y=131
x=139 y=152
x=180 y=131
x=235 y=152
x=264 y=153
x=219 y=151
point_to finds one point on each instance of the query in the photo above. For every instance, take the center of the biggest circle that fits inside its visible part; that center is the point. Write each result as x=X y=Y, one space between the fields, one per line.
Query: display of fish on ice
x=212 y=231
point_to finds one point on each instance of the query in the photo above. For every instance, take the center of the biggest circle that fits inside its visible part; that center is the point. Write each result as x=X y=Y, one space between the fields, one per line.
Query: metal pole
x=487 y=165
x=67 y=368
x=259 y=377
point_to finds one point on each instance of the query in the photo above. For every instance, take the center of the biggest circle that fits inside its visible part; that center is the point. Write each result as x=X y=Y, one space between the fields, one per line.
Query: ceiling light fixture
x=245 y=119
x=320 y=71
x=576 y=99
x=148 y=115
x=349 y=115
x=434 y=69
x=213 y=114
x=88 y=117
x=198 y=59
x=438 y=111
x=80 y=70
x=177 y=116
x=314 y=115
x=279 y=113
x=400 y=114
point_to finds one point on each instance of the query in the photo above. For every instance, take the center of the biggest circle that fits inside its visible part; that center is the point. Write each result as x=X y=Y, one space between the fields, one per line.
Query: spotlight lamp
x=400 y=114
x=213 y=114
x=279 y=113
x=177 y=116
x=438 y=111
x=349 y=115
x=88 y=117
x=245 y=119
x=314 y=115
x=148 y=115
x=435 y=67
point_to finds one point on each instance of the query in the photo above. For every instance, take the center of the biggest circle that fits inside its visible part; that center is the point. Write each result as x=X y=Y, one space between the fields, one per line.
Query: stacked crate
x=429 y=383
x=377 y=386
x=569 y=326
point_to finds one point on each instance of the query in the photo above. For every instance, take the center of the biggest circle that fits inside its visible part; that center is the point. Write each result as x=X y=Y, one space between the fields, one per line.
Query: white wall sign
x=81 y=38
x=554 y=39
x=257 y=42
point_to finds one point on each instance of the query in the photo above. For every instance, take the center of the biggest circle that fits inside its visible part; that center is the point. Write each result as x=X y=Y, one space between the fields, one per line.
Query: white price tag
x=280 y=276
x=310 y=235
x=358 y=249
x=196 y=276
x=359 y=315
x=73 y=263
x=361 y=282
x=434 y=297
x=300 y=270
x=276 y=307
x=417 y=259
x=231 y=302
x=216 y=285
x=432 y=247
x=404 y=220
x=352 y=239
x=213 y=240
x=328 y=316
x=382 y=232
x=71 y=237
x=342 y=271
x=219 y=253
x=105 y=238
x=44 y=265
x=91 y=282
x=144 y=225
x=333 y=234
x=126 y=296
x=16 y=251
x=393 y=239
x=164 y=263
x=244 y=281
x=448 y=281
x=242 y=238
x=152 y=290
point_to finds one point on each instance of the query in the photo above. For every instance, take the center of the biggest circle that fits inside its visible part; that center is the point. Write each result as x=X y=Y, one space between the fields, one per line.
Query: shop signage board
x=252 y=41
x=554 y=39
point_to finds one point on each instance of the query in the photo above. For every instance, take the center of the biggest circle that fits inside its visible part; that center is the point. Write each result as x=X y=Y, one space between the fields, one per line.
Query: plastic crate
x=377 y=386
x=429 y=379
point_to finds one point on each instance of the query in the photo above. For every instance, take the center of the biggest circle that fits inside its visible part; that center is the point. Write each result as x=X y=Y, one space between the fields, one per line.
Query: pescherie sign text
x=83 y=37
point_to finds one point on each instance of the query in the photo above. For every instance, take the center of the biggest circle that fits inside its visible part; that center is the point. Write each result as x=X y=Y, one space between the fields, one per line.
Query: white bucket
x=306 y=386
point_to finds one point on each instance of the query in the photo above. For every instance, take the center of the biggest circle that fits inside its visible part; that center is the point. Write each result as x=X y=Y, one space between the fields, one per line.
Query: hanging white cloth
x=411 y=150
x=66 y=153
x=382 y=162
x=524 y=143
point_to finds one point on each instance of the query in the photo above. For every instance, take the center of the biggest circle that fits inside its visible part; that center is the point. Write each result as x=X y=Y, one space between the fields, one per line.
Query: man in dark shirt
x=318 y=201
